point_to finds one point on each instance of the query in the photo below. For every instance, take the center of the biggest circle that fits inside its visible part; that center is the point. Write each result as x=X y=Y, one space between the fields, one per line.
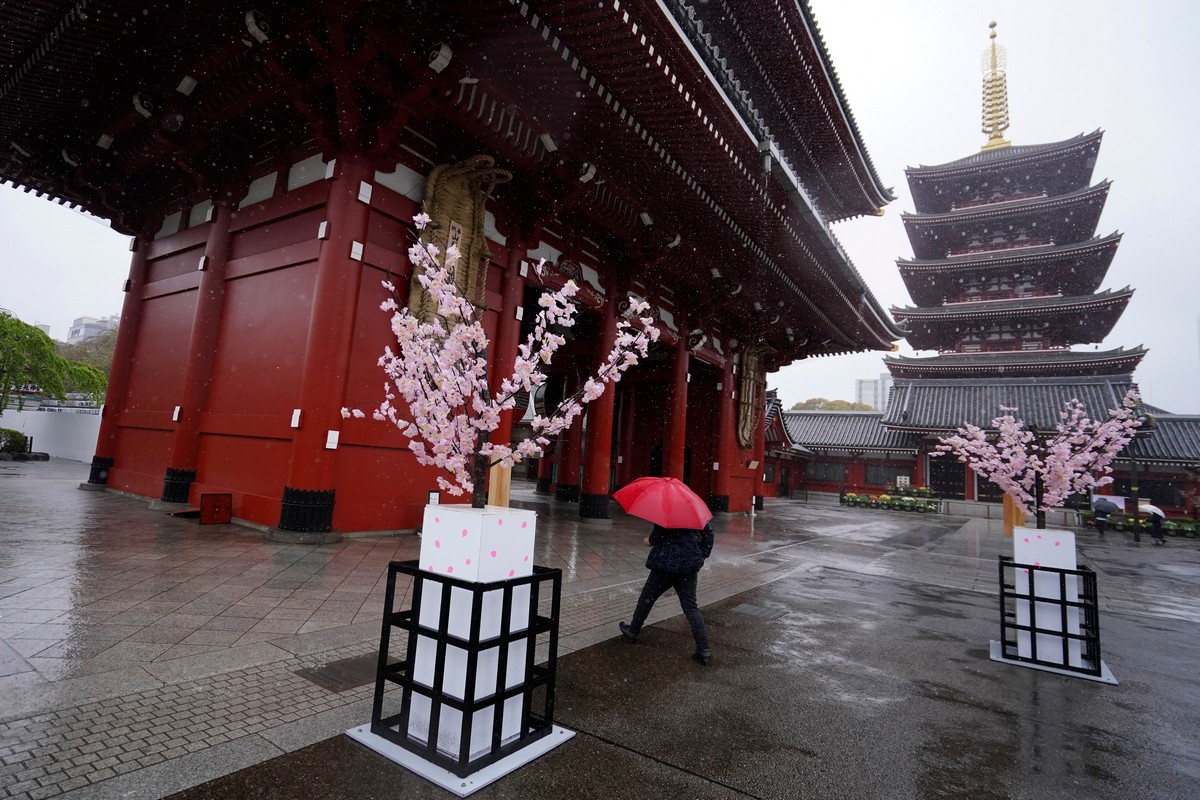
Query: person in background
x=1156 y=529
x=675 y=559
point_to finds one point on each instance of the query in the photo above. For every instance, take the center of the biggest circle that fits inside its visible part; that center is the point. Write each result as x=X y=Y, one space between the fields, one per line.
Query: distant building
x=84 y=328
x=873 y=391
x=43 y=327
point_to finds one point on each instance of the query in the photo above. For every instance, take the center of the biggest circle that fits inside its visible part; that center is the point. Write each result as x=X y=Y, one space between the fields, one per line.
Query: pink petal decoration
x=431 y=567
x=493 y=554
x=437 y=543
x=449 y=569
x=465 y=533
x=1026 y=540
x=526 y=558
x=1039 y=536
x=1037 y=563
x=437 y=519
x=512 y=572
x=500 y=521
x=524 y=524
x=1058 y=544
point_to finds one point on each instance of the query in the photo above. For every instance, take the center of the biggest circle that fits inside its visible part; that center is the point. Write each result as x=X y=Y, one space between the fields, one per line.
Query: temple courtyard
x=145 y=656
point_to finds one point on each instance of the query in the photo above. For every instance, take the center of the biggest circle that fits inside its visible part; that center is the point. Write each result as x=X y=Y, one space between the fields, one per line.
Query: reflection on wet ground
x=118 y=615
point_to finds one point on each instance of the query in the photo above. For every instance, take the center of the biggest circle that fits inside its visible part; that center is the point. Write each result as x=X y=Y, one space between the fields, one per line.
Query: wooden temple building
x=268 y=163
x=1006 y=280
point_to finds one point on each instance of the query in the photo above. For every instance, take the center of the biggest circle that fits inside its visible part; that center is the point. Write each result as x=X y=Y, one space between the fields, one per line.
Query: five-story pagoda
x=1006 y=279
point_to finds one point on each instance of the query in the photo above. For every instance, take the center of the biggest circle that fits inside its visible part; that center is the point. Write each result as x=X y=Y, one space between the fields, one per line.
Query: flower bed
x=1187 y=528
x=891 y=502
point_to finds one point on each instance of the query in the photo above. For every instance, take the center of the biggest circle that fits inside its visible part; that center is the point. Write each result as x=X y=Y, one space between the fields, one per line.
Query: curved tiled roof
x=854 y=431
x=1018 y=363
x=943 y=405
x=1033 y=305
x=1175 y=440
x=988 y=260
x=1011 y=153
x=1036 y=204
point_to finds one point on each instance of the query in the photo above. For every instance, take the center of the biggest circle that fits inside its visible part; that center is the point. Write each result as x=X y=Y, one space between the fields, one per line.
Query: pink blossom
x=440 y=370
x=1074 y=459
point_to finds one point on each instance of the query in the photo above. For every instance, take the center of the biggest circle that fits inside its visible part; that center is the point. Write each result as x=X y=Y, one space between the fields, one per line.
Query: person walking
x=1156 y=529
x=675 y=559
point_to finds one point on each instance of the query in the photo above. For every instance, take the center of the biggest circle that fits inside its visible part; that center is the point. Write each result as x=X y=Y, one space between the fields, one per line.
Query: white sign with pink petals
x=1047 y=547
x=480 y=545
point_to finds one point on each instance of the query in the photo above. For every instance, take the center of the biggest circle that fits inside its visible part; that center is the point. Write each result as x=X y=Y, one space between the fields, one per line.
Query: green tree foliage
x=821 y=404
x=28 y=356
x=95 y=352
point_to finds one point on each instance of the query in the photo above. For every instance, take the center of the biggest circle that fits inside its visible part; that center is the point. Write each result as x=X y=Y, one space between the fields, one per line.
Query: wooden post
x=1013 y=516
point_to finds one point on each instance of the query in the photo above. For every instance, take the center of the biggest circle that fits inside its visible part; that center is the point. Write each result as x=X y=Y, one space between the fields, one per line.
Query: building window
x=880 y=474
x=825 y=471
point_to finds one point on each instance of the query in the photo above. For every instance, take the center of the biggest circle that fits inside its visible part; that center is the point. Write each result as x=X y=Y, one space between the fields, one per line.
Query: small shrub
x=12 y=441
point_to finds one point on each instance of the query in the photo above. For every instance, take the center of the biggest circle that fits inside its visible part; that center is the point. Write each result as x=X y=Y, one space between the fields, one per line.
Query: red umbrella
x=664 y=501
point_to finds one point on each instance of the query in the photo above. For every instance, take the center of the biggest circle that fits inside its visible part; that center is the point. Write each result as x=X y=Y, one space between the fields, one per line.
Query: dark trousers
x=684 y=586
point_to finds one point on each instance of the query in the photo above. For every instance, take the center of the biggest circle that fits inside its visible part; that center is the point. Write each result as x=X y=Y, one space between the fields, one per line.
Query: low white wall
x=61 y=434
x=1055 y=517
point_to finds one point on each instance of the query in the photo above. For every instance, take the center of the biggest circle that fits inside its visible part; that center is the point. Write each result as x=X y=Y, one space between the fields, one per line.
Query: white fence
x=62 y=434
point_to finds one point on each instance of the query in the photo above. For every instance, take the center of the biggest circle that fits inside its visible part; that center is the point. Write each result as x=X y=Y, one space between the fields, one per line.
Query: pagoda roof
x=846 y=432
x=1006 y=208
x=1085 y=206
x=1016 y=307
x=1018 y=363
x=944 y=405
x=988 y=261
x=930 y=328
x=622 y=86
x=1174 y=440
x=1066 y=269
x=1055 y=168
x=1013 y=154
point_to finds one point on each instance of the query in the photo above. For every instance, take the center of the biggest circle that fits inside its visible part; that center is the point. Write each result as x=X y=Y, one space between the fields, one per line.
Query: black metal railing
x=1062 y=610
x=455 y=702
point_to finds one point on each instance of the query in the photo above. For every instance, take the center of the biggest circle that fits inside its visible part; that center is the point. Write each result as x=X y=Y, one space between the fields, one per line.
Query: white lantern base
x=448 y=780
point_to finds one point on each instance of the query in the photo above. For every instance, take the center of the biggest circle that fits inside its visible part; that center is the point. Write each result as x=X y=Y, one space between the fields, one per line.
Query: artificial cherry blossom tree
x=440 y=370
x=1040 y=470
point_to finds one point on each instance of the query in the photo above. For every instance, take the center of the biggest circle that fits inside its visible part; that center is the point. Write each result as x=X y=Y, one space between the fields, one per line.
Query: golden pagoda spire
x=995 y=94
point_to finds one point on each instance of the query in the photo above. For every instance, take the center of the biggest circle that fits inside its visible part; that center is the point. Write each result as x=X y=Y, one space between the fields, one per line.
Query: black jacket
x=679 y=550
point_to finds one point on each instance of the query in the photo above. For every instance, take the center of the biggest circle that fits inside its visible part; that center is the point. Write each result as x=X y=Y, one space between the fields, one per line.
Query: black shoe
x=627 y=632
x=702 y=657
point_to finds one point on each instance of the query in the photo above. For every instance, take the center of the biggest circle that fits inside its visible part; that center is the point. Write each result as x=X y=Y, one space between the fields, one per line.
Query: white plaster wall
x=61 y=434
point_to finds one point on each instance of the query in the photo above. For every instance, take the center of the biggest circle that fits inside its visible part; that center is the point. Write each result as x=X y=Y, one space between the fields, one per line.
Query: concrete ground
x=143 y=655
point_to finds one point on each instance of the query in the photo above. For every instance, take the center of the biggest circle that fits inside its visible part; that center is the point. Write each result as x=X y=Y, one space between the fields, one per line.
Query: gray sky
x=911 y=74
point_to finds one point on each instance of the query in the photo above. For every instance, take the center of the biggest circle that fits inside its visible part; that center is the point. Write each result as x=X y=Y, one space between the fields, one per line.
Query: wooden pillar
x=569 y=446
x=118 y=380
x=593 y=502
x=202 y=346
x=628 y=417
x=760 y=450
x=504 y=357
x=676 y=433
x=308 y=496
x=726 y=445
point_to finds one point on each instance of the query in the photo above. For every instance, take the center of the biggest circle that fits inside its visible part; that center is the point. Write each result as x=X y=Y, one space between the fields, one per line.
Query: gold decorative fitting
x=995 y=94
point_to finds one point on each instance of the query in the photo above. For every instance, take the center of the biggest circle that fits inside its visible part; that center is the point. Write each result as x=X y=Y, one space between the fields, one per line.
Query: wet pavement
x=142 y=655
